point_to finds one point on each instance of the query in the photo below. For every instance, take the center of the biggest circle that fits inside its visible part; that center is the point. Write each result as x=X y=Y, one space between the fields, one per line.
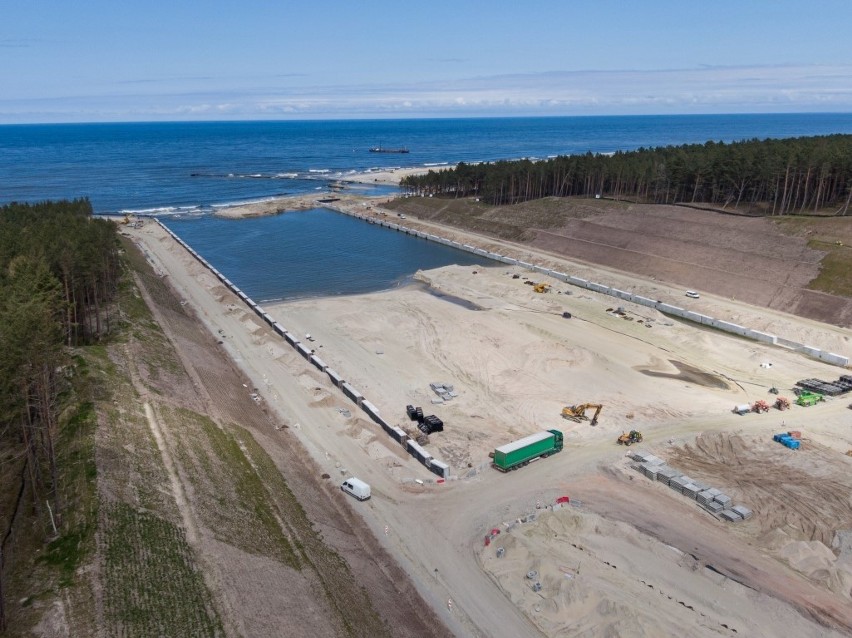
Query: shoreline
x=286 y=203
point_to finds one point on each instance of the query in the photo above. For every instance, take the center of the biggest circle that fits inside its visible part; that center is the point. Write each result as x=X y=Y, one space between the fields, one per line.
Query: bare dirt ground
x=257 y=582
x=515 y=362
x=748 y=259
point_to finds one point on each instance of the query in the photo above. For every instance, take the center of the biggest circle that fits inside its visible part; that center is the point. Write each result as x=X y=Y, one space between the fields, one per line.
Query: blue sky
x=98 y=60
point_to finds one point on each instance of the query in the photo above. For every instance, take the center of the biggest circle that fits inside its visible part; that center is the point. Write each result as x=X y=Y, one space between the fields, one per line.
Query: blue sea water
x=165 y=166
x=182 y=171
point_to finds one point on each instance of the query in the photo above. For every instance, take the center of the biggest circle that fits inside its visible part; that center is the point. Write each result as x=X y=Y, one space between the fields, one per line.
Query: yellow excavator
x=541 y=287
x=635 y=436
x=578 y=412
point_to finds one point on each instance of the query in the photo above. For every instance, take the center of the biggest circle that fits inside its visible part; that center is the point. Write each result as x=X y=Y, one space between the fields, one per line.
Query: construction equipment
x=782 y=403
x=635 y=436
x=541 y=287
x=514 y=455
x=578 y=412
x=760 y=406
x=807 y=399
x=128 y=218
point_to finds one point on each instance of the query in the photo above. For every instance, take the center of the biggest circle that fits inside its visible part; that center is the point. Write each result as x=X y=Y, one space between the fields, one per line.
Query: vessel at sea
x=381 y=149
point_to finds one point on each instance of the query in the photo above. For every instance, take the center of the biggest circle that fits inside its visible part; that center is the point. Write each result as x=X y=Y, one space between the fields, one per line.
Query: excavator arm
x=578 y=412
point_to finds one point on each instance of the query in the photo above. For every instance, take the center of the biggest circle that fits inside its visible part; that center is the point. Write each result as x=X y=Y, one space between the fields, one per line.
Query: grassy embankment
x=832 y=235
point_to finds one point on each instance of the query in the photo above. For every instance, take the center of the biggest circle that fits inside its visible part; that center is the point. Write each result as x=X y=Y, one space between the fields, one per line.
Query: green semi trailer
x=514 y=455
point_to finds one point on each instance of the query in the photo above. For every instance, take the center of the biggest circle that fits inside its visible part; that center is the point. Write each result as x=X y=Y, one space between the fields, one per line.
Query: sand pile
x=603 y=578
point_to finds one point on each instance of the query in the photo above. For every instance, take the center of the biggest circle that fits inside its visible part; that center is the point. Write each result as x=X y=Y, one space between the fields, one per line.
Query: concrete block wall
x=371 y=410
x=336 y=379
x=351 y=392
x=441 y=469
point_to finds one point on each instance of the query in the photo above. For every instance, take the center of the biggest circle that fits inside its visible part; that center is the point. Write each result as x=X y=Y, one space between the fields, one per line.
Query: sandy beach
x=626 y=545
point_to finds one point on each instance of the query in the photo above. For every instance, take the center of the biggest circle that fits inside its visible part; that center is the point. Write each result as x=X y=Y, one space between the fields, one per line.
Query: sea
x=182 y=172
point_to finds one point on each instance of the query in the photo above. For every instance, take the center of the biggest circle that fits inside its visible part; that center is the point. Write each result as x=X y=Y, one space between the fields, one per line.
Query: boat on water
x=382 y=149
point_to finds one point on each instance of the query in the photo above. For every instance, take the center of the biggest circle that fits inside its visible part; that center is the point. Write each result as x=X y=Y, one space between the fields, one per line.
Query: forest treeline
x=59 y=270
x=777 y=177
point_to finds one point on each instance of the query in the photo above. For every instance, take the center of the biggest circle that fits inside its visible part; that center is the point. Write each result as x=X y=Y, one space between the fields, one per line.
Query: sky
x=127 y=60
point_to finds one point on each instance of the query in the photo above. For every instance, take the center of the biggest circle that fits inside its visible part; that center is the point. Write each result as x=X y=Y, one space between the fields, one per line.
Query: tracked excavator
x=578 y=412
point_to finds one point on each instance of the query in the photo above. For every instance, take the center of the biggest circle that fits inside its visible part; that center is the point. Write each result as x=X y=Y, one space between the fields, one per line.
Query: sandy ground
x=515 y=362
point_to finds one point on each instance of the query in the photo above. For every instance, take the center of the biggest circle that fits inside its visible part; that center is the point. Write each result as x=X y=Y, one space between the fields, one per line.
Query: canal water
x=313 y=253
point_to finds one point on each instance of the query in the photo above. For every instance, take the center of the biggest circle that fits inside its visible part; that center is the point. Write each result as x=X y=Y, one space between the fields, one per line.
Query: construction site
x=583 y=541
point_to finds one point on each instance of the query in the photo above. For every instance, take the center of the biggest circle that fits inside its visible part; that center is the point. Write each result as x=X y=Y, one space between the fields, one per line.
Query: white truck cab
x=357 y=488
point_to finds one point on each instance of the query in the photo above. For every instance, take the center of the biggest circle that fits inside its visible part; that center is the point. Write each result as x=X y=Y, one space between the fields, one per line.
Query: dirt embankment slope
x=278 y=547
x=745 y=258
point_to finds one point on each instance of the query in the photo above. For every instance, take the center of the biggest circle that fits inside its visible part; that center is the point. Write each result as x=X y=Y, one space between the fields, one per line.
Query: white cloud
x=707 y=90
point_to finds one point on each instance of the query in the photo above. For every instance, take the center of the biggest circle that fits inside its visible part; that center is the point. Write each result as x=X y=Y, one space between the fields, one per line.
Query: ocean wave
x=436 y=164
x=321 y=171
x=242 y=202
x=248 y=175
x=159 y=210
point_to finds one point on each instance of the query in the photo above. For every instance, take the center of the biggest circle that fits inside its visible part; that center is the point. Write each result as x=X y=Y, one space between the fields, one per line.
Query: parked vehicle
x=692 y=294
x=357 y=488
x=807 y=399
x=514 y=455
x=635 y=436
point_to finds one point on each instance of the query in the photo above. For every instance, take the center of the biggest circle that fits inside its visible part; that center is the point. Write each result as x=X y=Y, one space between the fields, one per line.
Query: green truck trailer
x=514 y=455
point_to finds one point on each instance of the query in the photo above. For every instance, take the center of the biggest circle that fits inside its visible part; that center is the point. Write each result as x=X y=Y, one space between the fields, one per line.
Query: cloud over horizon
x=708 y=89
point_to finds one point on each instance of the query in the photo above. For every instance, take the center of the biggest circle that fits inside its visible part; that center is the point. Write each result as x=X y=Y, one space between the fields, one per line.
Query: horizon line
x=424 y=118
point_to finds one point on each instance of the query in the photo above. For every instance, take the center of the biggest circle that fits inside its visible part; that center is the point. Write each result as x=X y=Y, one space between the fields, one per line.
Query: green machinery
x=519 y=453
x=807 y=399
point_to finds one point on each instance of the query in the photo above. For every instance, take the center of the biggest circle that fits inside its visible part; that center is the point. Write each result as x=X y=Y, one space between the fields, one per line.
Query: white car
x=692 y=294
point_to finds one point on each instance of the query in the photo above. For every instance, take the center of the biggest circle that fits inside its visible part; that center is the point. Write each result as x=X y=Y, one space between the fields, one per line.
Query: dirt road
x=513 y=359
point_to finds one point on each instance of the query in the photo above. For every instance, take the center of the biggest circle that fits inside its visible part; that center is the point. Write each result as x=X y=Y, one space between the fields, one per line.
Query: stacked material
x=706 y=496
x=677 y=484
x=444 y=390
x=665 y=474
x=714 y=507
x=646 y=457
x=691 y=490
x=787 y=439
x=724 y=499
x=743 y=511
x=650 y=470
x=830 y=388
x=431 y=424
x=710 y=498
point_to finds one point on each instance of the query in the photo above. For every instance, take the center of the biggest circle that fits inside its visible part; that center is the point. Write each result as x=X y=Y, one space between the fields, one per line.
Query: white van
x=692 y=294
x=357 y=488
